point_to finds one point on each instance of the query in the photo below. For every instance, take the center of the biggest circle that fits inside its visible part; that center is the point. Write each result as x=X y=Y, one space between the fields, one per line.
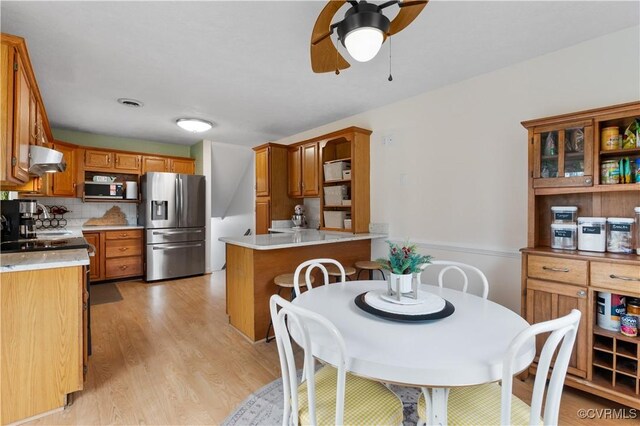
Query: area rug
x=104 y=293
x=264 y=407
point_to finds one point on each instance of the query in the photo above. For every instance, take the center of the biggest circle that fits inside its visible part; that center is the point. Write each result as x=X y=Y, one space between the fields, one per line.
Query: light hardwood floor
x=165 y=354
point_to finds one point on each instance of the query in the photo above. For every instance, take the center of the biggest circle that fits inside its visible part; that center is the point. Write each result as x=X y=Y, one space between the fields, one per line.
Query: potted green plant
x=402 y=263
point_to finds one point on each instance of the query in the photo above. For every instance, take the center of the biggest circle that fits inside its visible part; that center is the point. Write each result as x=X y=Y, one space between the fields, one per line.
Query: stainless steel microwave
x=104 y=190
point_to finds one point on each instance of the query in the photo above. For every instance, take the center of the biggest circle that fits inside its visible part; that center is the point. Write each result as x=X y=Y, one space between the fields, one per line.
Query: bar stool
x=333 y=271
x=369 y=265
x=286 y=281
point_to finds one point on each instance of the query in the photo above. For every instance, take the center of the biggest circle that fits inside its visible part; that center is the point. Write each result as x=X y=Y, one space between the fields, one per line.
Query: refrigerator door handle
x=176 y=232
x=178 y=197
x=178 y=247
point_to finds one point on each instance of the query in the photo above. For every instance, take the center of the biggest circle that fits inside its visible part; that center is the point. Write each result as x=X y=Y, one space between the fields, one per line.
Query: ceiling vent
x=133 y=103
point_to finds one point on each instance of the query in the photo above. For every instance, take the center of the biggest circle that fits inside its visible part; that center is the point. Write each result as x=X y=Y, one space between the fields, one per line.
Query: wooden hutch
x=603 y=363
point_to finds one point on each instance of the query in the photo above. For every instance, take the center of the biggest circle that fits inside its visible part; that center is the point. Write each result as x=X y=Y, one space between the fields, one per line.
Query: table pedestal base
x=436 y=399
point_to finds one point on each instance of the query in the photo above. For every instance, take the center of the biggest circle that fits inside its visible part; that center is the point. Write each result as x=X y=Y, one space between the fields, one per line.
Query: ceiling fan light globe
x=194 y=125
x=363 y=44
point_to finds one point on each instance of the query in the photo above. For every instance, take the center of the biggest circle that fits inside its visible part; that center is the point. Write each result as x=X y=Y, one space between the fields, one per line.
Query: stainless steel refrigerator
x=173 y=214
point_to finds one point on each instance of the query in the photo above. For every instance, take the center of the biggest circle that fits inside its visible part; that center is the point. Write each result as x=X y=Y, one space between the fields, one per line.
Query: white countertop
x=30 y=261
x=308 y=237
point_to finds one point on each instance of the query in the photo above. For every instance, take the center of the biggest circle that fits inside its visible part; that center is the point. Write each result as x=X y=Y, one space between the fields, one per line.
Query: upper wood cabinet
x=263 y=215
x=23 y=119
x=127 y=162
x=154 y=164
x=63 y=184
x=294 y=166
x=262 y=171
x=98 y=160
x=304 y=176
x=186 y=166
x=310 y=173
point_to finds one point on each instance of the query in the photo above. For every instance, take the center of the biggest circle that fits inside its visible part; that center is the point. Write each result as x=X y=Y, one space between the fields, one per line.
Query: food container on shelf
x=610 y=138
x=610 y=172
x=620 y=232
x=563 y=214
x=347 y=223
x=610 y=307
x=563 y=236
x=346 y=202
x=334 y=219
x=629 y=325
x=333 y=169
x=346 y=174
x=592 y=234
x=637 y=211
x=633 y=307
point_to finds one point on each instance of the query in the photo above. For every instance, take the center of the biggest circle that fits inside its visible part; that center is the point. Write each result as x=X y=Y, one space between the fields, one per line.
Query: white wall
x=454 y=178
x=201 y=152
x=235 y=189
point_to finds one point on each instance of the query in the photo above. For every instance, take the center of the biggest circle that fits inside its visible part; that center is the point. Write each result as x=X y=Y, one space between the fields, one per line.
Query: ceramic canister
x=610 y=307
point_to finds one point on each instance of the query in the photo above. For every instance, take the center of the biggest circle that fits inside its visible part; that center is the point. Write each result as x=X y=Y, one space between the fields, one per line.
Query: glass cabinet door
x=563 y=156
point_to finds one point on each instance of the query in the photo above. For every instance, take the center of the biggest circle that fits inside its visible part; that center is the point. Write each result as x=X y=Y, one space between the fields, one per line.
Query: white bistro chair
x=461 y=268
x=492 y=404
x=330 y=395
x=311 y=265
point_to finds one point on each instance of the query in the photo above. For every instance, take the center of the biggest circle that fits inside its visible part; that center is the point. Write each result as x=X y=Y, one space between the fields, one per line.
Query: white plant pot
x=402 y=280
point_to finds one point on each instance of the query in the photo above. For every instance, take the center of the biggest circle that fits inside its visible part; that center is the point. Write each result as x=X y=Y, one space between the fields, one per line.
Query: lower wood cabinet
x=603 y=362
x=42 y=330
x=119 y=254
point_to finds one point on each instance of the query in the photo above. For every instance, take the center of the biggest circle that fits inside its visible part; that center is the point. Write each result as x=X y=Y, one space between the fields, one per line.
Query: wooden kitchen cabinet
x=127 y=163
x=272 y=198
x=304 y=176
x=98 y=160
x=23 y=118
x=556 y=281
x=63 y=184
x=95 y=261
x=42 y=335
x=263 y=216
x=184 y=166
x=154 y=164
x=262 y=172
x=294 y=166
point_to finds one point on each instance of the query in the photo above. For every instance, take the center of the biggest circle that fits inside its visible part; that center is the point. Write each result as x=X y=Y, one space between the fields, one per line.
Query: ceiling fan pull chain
x=390 y=76
x=337 y=55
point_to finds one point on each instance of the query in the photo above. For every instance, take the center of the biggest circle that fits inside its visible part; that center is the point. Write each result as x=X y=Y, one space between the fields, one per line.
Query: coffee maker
x=18 y=219
x=298 y=218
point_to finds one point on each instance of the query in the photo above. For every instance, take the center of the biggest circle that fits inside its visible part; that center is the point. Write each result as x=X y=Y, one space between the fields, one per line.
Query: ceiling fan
x=362 y=31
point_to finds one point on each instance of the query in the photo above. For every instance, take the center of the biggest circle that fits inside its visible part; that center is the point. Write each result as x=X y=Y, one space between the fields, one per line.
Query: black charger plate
x=448 y=310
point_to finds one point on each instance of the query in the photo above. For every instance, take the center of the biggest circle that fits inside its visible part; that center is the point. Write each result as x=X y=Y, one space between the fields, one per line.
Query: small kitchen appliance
x=9 y=220
x=298 y=218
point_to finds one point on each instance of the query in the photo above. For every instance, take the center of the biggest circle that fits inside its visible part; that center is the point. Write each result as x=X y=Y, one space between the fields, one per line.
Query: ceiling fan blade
x=324 y=55
x=409 y=10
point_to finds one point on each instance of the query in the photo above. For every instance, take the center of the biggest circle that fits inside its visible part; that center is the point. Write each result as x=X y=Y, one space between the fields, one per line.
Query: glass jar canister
x=592 y=234
x=564 y=236
x=563 y=214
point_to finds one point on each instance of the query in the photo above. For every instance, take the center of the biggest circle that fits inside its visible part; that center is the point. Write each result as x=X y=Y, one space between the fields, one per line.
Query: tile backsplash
x=81 y=212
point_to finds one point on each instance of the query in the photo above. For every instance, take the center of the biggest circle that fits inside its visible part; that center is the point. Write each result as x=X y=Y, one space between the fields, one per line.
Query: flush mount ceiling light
x=194 y=125
x=362 y=31
x=132 y=103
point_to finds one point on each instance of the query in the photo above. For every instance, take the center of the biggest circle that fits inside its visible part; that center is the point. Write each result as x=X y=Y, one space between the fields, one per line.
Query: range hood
x=45 y=160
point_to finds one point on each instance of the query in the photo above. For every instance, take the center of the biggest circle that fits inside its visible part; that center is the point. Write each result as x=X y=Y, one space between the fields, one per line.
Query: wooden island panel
x=250 y=275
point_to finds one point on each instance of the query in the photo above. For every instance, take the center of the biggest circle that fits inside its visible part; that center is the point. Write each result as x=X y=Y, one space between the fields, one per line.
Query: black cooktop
x=43 y=245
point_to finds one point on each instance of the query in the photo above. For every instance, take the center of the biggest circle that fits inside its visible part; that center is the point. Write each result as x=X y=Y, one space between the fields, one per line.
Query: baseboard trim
x=459 y=248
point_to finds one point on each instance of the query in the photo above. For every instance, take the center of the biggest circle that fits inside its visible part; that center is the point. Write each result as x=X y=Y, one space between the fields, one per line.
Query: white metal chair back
x=311 y=265
x=461 y=268
x=563 y=330
x=285 y=318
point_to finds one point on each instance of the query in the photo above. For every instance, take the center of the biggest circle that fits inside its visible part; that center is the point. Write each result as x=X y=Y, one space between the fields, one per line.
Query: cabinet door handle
x=552 y=269
x=581 y=293
x=108 y=159
x=124 y=235
x=123 y=267
x=588 y=181
x=124 y=248
x=623 y=278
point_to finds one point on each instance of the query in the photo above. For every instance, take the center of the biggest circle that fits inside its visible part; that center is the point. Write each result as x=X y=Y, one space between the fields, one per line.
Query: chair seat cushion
x=479 y=405
x=366 y=402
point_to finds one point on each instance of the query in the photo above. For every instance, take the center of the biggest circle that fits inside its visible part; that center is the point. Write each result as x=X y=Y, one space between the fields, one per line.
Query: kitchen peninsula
x=254 y=261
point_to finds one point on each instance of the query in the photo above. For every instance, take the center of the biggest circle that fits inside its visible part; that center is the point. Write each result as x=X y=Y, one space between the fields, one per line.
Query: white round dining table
x=466 y=348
